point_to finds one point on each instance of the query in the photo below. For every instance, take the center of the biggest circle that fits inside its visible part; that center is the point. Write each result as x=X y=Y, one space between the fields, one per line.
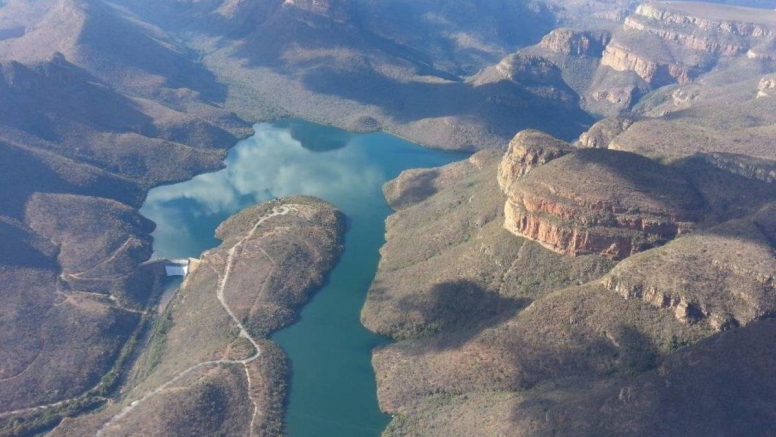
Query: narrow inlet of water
x=333 y=391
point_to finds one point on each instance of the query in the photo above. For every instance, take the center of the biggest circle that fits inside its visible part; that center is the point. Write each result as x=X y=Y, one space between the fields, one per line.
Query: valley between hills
x=602 y=264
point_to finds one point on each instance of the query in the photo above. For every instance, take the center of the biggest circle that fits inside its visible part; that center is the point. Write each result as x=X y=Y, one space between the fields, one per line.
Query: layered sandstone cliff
x=757 y=169
x=575 y=42
x=711 y=36
x=665 y=42
x=529 y=149
x=729 y=19
x=497 y=336
x=594 y=200
x=653 y=70
x=723 y=276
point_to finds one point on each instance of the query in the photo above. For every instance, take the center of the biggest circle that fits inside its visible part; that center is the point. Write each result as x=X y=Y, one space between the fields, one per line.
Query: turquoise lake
x=333 y=391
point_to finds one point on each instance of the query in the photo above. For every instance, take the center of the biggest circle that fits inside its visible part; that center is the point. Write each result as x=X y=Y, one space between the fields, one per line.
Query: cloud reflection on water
x=269 y=164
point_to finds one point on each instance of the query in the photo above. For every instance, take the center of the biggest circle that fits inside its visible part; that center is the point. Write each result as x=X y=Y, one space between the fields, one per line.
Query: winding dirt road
x=277 y=211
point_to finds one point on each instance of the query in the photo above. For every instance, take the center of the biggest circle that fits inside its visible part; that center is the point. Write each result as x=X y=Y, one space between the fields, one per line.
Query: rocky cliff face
x=602 y=133
x=766 y=86
x=519 y=68
x=659 y=44
x=495 y=338
x=680 y=42
x=723 y=276
x=692 y=32
x=529 y=149
x=622 y=58
x=595 y=201
x=573 y=42
x=747 y=166
x=757 y=24
x=615 y=100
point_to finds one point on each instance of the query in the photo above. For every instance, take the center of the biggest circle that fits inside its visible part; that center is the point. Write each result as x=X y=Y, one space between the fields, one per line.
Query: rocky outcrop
x=527 y=68
x=687 y=37
x=529 y=149
x=448 y=264
x=482 y=326
x=602 y=133
x=574 y=42
x=760 y=56
x=763 y=170
x=617 y=15
x=724 y=276
x=598 y=201
x=672 y=13
x=766 y=86
x=525 y=81
x=675 y=42
x=622 y=98
x=765 y=51
x=621 y=57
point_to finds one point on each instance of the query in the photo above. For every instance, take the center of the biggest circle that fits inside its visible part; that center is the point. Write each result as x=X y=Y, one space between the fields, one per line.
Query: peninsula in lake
x=591 y=254
x=208 y=367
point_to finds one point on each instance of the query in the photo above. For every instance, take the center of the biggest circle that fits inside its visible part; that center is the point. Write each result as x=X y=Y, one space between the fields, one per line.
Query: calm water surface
x=333 y=391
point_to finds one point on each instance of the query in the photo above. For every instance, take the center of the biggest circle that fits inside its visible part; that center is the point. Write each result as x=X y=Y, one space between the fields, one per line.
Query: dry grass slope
x=209 y=356
x=500 y=336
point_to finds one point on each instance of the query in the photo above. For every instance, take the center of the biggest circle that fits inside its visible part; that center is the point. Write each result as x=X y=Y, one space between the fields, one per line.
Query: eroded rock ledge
x=593 y=200
x=575 y=42
x=676 y=42
x=529 y=149
x=723 y=276
x=498 y=336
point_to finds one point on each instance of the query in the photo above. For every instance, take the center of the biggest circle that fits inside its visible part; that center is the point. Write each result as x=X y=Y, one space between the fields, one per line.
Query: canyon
x=595 y=274
x=513 y=338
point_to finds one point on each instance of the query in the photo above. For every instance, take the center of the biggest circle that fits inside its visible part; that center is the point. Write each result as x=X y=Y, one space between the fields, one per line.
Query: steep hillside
x=501 y=336
x=363 y=65
x=59 y=108
x=104 y=100
x=676 y=78
x=659 y=44
x=85 y=129
x=72 y=299
x=658 y=219
x=725 y=116
x=209 y=365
